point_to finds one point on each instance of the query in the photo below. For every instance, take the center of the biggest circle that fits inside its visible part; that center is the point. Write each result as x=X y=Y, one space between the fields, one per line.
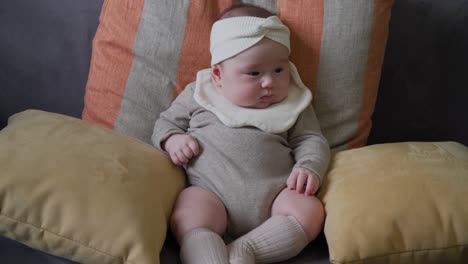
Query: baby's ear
x=216 y=75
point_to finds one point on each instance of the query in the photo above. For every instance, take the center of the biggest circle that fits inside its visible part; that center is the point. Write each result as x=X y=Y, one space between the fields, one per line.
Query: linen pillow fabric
x=146 y=51
x=82 y=192
x=398 y=203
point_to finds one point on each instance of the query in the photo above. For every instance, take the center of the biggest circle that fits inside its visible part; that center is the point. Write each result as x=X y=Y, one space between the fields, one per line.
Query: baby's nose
x=267 y=81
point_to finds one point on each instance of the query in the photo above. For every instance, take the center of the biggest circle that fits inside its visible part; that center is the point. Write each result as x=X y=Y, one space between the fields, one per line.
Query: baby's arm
x=311 y=152
x=169 y=133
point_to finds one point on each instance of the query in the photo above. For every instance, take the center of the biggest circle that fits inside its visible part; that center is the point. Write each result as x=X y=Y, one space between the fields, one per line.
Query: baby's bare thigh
x=197 y=208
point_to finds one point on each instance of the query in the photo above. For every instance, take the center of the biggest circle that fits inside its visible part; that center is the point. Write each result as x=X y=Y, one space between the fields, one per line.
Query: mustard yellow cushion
x=398 y=203
x=82 y=192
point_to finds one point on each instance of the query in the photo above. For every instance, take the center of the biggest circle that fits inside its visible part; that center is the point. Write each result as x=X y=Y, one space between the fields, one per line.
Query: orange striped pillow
x=146 y=51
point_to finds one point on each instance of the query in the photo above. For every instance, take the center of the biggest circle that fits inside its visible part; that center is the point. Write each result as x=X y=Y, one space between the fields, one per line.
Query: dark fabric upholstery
x=423 y=91
x=12 y=252
x=45 y=51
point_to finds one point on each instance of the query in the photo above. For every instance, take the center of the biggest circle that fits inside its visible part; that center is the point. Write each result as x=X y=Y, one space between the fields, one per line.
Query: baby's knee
x=308 y=211
x=197 y=209
x=315 y=217
x=315 y=207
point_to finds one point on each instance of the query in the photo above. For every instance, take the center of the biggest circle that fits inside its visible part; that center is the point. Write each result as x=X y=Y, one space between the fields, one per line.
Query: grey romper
x=245 y=167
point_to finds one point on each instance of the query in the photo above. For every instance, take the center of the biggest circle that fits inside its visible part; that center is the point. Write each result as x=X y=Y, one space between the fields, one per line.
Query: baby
x=251 y=145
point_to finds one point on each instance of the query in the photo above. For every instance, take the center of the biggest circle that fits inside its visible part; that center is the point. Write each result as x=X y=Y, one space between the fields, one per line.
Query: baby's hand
x=181 y=148
x=303 y=181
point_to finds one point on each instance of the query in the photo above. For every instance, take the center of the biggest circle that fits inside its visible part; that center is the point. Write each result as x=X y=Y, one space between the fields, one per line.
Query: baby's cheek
x=249 y=94
x=243 y=98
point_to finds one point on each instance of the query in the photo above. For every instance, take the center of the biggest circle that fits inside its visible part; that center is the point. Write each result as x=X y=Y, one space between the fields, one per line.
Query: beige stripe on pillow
x=156 y=55
x=343 y=60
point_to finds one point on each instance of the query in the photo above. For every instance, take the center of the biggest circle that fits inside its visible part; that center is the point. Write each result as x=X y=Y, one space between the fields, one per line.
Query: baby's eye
x=278 y=70
x=254 y=73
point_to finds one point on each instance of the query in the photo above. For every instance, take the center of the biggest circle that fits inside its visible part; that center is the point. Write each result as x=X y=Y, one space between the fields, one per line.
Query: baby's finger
x=193 y=145
x=291 y=182
x=310 y=186
x=301 y=180
x=175 y=159
x=180 y=155
x=187 y=152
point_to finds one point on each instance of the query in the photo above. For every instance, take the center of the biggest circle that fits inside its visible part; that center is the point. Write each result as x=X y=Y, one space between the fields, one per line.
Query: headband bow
x=231 y=36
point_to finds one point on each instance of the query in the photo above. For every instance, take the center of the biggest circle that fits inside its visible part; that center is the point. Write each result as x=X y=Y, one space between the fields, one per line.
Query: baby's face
x=255 y=78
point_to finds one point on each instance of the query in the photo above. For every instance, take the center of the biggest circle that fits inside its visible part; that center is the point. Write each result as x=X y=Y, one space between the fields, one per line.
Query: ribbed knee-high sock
x=278 y=238
x=203 y=246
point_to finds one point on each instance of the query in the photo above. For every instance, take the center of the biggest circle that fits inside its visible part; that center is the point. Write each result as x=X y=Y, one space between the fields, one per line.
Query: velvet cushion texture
x=145 y=52
x=398 y=203
x=82 y=192
x=431 y=91
x=45 y=52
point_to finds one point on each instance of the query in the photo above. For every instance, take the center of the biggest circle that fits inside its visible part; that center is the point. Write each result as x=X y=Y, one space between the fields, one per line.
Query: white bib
x=276 y=118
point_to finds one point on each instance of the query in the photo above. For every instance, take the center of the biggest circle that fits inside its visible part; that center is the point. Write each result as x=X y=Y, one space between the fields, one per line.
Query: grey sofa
x=45 y=51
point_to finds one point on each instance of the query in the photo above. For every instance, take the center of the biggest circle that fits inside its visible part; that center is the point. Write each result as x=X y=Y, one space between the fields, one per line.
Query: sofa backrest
x=423 y=90
x=45 y=50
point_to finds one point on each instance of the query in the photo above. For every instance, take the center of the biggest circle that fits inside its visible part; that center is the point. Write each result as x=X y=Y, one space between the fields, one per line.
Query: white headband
x=233 y=35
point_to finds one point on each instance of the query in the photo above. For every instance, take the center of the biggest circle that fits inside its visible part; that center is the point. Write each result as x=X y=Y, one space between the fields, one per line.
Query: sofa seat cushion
x=398 y=203
x=82 y=192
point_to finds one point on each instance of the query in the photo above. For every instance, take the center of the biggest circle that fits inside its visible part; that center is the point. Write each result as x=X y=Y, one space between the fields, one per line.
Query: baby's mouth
x=267 y=96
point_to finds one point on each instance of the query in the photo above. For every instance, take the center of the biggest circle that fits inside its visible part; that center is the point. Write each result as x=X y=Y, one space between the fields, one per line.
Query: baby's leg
x=198 y=220
x=296 y=220
x=307 y=210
